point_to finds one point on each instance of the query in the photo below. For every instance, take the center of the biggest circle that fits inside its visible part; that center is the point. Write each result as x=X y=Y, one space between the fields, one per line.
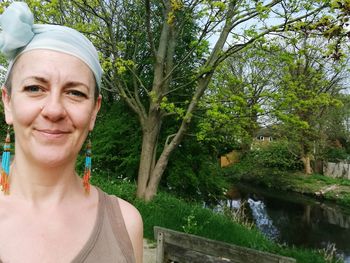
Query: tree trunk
x=306 y=157
x=156 y=174
x=307 y=164
x=318 y=167
x=148 y=153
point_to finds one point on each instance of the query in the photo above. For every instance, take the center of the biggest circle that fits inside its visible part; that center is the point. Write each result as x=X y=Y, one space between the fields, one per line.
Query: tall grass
x=173 y=213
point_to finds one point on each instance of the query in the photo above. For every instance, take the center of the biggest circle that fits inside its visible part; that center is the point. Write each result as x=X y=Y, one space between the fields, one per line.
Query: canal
x=295 y=219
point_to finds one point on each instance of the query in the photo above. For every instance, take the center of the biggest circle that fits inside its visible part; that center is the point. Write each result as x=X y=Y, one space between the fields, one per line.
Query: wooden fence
x=337 y=170
x=173 y=246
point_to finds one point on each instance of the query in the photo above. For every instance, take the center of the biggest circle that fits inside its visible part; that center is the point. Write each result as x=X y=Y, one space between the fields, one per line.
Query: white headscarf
x=19 y=34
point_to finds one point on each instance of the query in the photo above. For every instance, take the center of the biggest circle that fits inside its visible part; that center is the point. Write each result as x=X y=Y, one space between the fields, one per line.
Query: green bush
x=194 y=173
x=116 y=143
x=336 y=154
x=274 y=155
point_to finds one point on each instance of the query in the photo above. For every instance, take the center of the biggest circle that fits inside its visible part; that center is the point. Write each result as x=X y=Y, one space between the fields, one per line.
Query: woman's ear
x=96 y=109
x=6 y=100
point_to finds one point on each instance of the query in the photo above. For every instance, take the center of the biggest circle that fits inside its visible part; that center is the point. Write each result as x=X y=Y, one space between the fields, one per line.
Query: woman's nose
x=53 y=108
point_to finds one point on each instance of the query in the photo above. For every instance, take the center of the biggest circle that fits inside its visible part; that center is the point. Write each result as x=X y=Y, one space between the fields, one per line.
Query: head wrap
x=20 y=34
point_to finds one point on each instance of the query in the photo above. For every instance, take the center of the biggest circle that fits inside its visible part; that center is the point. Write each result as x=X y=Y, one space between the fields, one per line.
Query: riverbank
x=318 y=186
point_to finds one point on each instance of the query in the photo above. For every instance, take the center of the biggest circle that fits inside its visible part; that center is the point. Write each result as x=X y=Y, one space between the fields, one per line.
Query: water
x=297 y=220
x=262 y=219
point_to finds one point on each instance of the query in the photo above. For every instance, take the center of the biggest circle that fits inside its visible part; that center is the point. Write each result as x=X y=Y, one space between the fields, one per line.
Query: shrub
x=116 y=143
x=336 y=154
x=194 y=173
x=274 y=155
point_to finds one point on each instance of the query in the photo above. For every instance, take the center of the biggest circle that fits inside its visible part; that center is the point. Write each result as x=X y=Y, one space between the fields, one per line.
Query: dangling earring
x=5 y=164
x=87 y=170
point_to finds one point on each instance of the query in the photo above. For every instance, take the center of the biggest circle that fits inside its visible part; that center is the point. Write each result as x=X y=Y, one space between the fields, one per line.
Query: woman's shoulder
x=133 y=223
x=132 y=217
x=129 y=211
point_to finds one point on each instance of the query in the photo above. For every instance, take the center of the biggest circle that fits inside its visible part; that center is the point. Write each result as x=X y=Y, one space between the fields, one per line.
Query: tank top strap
x=120 y=232
x=96 y=230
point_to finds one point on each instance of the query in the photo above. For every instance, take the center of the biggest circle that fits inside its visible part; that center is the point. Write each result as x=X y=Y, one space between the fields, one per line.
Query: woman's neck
x=38 y=183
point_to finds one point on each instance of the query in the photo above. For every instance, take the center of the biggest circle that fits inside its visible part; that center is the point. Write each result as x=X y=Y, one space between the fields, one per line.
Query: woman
x=51 y=98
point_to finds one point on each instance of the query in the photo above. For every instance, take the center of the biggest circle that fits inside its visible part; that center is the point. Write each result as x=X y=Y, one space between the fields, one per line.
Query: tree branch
x=148 y=27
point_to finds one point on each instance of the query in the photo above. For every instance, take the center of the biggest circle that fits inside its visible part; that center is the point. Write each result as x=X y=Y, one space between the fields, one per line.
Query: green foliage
x=331 y=25
x=116 y=143
x=336 y=135
x=276 y=154
x=191 y=225
x=333 y=154
x=171 y=108
x=308 y=85
x=194 y=173
x=237 y=97
x=121 y=188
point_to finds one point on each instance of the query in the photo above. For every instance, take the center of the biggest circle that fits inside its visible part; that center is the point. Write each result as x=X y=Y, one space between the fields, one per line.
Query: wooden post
x=160 y=248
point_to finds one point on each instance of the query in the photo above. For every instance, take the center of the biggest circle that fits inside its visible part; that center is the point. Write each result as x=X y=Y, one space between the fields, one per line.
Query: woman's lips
x=52 y=133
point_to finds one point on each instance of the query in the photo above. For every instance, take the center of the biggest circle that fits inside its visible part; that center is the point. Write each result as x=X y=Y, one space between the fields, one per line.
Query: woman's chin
x=52 y=160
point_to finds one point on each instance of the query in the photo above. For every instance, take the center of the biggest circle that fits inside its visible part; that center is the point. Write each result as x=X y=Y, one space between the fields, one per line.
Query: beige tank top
x=109 y=241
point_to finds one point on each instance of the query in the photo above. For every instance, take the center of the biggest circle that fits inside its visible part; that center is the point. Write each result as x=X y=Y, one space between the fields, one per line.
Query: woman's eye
x=77 y=93
x=32 y=88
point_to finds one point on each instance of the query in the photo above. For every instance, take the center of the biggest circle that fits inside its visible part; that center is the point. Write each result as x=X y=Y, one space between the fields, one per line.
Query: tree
x=308 y=84
x=335 y=131
x=154 y=52
x=288 y=81
x=236 y=103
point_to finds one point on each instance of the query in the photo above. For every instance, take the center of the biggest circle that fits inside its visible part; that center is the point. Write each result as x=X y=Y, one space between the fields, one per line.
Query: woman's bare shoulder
x=130 y=213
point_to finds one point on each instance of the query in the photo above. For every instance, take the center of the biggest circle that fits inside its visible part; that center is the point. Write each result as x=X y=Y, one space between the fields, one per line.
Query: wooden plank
x=213 y=248
x=180 y=254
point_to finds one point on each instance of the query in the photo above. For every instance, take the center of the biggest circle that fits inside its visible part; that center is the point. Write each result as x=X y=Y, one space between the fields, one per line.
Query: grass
x=168 y=211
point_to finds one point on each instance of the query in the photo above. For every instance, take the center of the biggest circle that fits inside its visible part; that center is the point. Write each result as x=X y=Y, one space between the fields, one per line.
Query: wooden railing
x=173 y=246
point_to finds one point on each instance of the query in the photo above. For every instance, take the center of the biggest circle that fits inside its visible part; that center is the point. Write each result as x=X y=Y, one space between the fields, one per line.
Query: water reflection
x=262 y=220
x=296 y=220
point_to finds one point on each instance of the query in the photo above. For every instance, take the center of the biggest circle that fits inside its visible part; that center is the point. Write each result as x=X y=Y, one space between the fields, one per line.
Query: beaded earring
x=87 y=170
x=5 y=164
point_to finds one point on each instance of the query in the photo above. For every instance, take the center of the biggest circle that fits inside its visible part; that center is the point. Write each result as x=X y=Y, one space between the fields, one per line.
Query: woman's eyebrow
x=72 y=84
x=69 y=84
x=39 y=79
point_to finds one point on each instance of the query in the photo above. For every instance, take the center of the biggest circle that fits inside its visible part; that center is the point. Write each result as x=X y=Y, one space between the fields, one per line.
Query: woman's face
x=51 y=106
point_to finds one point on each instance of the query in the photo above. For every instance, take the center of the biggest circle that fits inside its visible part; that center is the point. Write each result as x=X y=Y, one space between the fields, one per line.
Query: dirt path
x=149 y=252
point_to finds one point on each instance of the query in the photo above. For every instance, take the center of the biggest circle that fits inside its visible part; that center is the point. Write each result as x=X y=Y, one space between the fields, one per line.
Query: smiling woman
x=51 y=98
x=58 y=104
